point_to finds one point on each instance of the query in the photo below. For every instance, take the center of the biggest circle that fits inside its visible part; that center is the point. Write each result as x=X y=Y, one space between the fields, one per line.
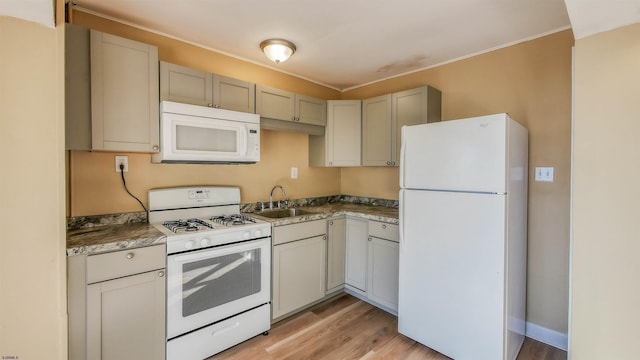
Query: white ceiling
x=342 y=43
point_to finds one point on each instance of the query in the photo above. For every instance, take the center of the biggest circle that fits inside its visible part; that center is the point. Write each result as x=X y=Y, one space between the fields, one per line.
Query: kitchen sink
x=282 y=213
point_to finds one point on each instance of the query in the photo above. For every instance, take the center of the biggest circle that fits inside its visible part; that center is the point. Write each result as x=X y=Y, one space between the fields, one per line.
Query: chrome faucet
x=271 y=195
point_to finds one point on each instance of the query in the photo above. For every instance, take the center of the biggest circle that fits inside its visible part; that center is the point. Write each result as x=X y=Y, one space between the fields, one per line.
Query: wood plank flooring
x=345 y=327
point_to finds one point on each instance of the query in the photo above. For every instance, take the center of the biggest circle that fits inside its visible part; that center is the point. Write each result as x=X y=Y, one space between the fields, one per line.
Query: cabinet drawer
x=384 y=230
x=123 y=263
x=303 y=230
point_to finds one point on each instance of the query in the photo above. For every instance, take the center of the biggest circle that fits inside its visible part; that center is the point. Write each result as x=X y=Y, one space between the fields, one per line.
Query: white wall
x=605 y=271
x=32 y=213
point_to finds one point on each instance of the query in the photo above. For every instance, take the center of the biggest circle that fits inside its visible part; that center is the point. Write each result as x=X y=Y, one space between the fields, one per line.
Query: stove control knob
x=189 y=244
x=204 y=242
x=246 y=235
x=258 y=233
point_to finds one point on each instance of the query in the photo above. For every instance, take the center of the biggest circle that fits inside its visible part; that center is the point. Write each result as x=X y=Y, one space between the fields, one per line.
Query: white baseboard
x=547 y=336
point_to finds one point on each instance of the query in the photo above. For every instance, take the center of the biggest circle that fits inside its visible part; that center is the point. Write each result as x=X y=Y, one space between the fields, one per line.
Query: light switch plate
x=294 y=172
x=544 y=174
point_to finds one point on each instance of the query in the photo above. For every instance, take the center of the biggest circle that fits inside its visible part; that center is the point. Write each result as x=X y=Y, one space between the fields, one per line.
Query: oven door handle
x=218 y=251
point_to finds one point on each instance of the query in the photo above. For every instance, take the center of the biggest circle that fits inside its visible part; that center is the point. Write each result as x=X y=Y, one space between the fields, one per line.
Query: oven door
x=212 y=284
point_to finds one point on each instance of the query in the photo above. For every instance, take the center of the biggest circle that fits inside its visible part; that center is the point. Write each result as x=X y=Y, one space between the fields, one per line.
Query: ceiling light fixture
x=278 y=50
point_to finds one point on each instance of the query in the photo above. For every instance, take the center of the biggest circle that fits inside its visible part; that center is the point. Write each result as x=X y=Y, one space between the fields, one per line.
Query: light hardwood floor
x=345 y=327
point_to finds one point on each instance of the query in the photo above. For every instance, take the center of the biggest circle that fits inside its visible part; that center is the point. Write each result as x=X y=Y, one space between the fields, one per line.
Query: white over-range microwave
x=202 y=135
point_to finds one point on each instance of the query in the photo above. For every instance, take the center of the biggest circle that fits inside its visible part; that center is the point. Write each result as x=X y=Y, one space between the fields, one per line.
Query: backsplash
x=80 y=222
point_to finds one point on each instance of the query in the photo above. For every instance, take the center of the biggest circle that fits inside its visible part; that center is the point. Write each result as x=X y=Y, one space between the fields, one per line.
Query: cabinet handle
x=384 y=226
x=160 y=273
x=156 y=147
x=130 y=255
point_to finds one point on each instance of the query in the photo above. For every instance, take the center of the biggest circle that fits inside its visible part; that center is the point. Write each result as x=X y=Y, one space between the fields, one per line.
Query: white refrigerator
x=463 y=231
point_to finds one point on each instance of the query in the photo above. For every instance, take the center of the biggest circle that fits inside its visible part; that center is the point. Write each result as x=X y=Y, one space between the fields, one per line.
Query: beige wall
x=532 y=82
x=32 y=244
x=95 y=188
x=605 y=320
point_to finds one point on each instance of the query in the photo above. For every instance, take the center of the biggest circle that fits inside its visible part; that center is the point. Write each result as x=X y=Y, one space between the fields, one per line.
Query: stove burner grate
x=231 y=220
x=186 y=225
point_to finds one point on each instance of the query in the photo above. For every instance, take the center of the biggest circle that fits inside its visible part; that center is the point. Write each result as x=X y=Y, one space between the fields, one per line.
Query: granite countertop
x=94 y=239
x=324 y=211
x=98 y=239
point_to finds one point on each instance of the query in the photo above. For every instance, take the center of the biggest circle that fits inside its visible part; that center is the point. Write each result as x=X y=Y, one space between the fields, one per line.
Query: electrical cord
x=124 y=183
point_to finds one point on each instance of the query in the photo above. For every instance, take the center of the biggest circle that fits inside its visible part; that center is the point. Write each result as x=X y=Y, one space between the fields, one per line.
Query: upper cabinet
x=124 y=94
x=186 y=85
x=275 y=104
x=384 y=116
x=340 y=143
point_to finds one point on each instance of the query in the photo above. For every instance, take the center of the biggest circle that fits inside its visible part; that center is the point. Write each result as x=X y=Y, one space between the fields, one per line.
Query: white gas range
x=218 y=269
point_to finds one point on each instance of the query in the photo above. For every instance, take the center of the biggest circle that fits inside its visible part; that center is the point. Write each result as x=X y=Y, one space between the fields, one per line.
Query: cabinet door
x=408 y=108
x=126 y=318
x=274 y=103
x=343 y=133
x=336 y=248
x=311 y=110
x=376 y=131
x=185 y=85
x=382 y=283
x=233 y=94
x=124 y=94
x=356 y=254
x=298 y=274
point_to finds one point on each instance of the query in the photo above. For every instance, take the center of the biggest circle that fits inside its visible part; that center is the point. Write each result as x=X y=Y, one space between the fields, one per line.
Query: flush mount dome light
x=278 y=50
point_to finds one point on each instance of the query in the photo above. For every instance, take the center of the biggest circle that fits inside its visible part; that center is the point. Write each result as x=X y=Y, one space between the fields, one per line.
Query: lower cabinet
x=125 y=317
x=336 y=247
x=356 y=254
x=372 y=262
x=116 y=304
x=382 y=282
x=299 y=266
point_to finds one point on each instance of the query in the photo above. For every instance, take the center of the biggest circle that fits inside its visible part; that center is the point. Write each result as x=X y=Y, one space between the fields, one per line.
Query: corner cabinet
x=282 y=105
x=384 y=116
x=340 y=143
x=185 y=85
x=356 y=255
x=299 y=266
x=124 y=94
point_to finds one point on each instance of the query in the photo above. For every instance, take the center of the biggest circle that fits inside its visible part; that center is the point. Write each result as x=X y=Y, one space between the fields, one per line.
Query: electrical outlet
x=544 y=174
x=122 y=159
x=294 y=172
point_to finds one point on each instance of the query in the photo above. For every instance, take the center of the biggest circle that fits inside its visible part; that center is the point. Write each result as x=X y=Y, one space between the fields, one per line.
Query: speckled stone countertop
x=324 y=211
x=103 y=233
x=98 y=239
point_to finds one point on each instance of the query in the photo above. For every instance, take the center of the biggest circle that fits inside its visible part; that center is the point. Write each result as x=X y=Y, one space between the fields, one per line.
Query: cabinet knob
x=210 y=105
x=330 y=222
x=156 y=147
x=160 y=273
x=324 y=237
x=130 y=255
x=216 y=106
x=384 y=226
x=369 y=238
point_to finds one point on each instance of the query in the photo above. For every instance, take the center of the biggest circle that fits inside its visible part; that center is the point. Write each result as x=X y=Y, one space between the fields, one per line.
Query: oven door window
x=212 y=282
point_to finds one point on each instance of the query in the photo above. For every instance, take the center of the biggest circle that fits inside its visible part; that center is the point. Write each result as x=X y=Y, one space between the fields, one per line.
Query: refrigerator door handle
x=403 y=144
x=401 y=220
